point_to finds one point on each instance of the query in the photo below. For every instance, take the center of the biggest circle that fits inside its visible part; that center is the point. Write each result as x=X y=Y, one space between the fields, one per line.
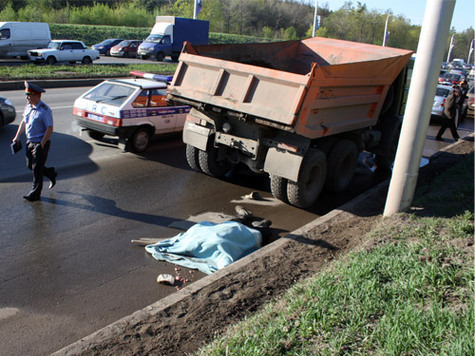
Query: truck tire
x=140 y=139
x=160 y=56
x=192 y=157
x=278 y=188
x=312 y=175
x=391 y=128
x=209 y=164
x=96 y=135
x=50 y=60
x=341 y=165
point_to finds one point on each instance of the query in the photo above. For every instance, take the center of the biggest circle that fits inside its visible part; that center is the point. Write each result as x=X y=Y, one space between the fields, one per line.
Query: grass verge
x=32 y=71
x=409 y=292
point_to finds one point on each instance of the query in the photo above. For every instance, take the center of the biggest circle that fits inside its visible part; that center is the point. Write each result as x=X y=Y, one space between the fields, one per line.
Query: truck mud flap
x=196 y=135
x=283 y=164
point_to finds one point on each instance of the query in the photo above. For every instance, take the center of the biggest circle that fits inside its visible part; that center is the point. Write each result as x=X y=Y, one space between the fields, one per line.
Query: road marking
x=52 y=108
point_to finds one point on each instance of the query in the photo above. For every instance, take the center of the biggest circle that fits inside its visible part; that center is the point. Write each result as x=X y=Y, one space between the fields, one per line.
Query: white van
x=18 y=37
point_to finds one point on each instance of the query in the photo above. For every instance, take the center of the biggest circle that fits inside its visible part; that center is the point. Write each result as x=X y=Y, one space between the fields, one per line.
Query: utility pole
x=315 y=20
x=451 y=46
x=386 y=31
x=435 y=30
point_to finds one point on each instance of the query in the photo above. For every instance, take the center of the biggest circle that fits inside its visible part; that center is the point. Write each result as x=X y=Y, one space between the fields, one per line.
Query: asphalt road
x=68 y=267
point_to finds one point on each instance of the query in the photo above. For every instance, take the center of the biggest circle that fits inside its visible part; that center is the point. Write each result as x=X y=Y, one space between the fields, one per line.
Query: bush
x=92 y=34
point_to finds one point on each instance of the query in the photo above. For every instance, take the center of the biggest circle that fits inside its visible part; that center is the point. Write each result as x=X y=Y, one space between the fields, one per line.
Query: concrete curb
x=117 y=327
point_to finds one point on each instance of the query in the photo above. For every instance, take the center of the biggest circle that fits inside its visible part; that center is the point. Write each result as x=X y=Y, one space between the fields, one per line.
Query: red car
x=126 y=48
x=451 y=78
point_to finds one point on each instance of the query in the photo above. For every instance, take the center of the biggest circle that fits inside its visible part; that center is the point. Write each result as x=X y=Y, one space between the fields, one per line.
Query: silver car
x=7 y=112
x=441 y=94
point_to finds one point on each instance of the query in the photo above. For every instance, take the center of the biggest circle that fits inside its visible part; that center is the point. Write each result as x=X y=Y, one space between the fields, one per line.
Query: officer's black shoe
x=53 y=180
x=31 y=197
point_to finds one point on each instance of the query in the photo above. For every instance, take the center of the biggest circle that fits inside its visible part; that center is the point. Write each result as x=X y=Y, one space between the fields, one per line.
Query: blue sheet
x=208 y=246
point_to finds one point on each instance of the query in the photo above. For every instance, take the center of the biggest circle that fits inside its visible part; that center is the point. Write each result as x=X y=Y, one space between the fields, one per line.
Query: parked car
x=63 y=51
x=127 y=48
x=471 y=102
x=441 y=94
x=451 y=78
x=105 y=46
x=7 y=112
x=131 y=109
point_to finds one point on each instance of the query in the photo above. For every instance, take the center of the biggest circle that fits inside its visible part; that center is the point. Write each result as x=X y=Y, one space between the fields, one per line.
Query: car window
x=113 y=94
x=5 y=34
x=54 y=45
x=151 y=98
x=442 y=92
x=76 y=45
x=141 y=100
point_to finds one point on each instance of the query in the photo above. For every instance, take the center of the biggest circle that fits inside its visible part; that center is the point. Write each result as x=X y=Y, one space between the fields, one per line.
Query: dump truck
x=301 y=111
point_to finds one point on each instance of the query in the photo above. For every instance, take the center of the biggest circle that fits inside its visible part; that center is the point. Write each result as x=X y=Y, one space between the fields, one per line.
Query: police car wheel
x=95 y=134
x=140 y=140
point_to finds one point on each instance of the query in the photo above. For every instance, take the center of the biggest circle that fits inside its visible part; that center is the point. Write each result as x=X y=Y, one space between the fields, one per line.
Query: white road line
x=52 y=108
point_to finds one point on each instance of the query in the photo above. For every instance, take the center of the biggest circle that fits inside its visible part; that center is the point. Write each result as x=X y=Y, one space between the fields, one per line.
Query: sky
x=413 y=10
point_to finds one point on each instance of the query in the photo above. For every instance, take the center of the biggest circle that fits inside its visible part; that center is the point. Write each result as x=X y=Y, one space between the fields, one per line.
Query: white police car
x=131 y=109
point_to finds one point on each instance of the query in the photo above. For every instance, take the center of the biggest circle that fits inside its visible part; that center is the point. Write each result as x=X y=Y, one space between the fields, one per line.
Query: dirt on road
x=202 y=310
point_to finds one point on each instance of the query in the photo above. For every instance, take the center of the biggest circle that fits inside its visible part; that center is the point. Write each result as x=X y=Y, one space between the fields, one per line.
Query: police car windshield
x=110 y=93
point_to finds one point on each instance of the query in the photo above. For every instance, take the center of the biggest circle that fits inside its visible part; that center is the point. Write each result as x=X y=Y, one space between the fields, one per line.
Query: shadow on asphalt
x=66 y=151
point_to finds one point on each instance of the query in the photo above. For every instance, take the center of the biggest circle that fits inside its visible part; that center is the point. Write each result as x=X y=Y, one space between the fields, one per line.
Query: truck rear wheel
x=210 y=165
x=192 y=157
x=278 y=187
x=313 y=172
x=341 y=165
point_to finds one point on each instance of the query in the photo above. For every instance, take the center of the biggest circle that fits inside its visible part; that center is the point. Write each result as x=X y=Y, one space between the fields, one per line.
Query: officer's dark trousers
x=36 y=157
x=450 y=123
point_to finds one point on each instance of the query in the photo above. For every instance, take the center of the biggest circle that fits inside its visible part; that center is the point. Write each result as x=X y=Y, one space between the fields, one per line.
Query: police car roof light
x=157 y=77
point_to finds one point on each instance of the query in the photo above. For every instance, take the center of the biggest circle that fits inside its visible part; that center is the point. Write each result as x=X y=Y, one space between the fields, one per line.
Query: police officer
x=37 y=124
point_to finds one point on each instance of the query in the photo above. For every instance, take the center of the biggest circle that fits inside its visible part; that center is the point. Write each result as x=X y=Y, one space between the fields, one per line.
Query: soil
x=183 y=327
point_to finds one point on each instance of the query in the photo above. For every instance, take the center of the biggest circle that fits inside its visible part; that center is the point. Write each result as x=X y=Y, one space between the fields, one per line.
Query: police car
x=131 y=109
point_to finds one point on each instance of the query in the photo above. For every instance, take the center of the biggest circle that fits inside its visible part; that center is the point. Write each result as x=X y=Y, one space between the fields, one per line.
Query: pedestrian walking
x=449 y=115
x=462 y=102
x=37 y=124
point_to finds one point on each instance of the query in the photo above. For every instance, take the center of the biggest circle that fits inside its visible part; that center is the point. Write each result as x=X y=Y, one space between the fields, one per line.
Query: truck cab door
x=166 y=45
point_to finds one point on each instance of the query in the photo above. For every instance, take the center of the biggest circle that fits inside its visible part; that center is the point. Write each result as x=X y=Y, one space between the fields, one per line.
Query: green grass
x=412 y=294
x=32 y=71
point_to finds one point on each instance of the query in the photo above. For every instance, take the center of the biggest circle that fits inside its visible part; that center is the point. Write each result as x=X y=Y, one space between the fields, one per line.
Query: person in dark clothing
x=449 y=115
x=37 y=124
x=461 y=102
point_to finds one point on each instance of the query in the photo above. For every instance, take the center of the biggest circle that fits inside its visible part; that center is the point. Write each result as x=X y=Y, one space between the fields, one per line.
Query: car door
x=65 y=52
x=162 y=116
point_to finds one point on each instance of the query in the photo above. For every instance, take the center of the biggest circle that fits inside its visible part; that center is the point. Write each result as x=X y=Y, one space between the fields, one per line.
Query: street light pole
x=386 y=31
x=435 y=30
x=315 y=20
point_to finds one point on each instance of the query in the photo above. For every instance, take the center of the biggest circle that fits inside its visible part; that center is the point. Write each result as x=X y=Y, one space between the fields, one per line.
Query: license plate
x=94 y=117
